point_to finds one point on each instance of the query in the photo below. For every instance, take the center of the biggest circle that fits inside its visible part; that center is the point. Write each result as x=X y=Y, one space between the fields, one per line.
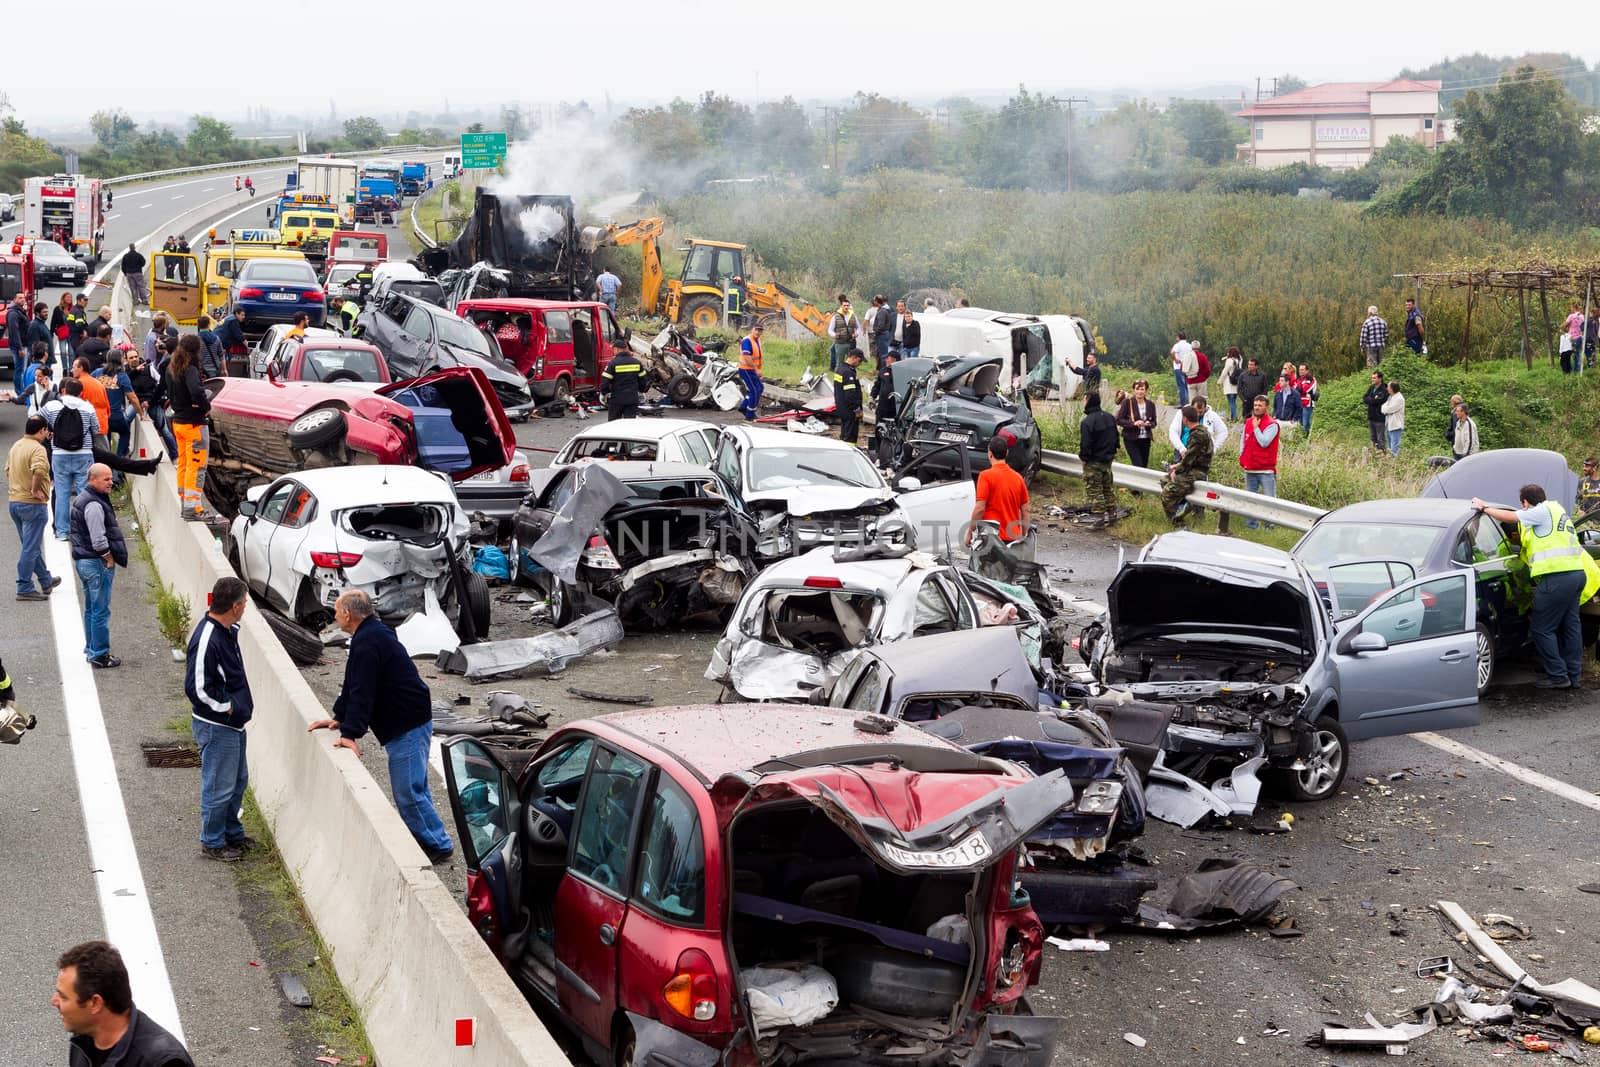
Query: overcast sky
x=217 y=58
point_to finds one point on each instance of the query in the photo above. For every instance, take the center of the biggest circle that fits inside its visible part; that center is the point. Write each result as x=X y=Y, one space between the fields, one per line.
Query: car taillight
x=692 y=991
x=519 y=473
x=335 y=560
x=599 y=554
x=1013 y=963
x=313 y=294
x=817 y=582
x=250 y=293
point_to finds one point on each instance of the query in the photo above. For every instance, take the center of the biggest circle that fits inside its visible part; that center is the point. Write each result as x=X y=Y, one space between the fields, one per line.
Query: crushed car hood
x=757 y=670
x=911 y=821
x=1499 y=475
x=1156 y=598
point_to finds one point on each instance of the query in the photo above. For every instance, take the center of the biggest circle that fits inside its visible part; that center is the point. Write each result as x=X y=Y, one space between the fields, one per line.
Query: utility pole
x=828 y=115
x=1070 y=101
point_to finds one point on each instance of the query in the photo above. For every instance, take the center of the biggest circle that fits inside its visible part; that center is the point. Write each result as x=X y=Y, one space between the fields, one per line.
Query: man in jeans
x=133 y=270
x=1374 y=397
x=28 y=479
x=1258 y=455
x=221 y=705
x=383 y=691
x=72 y=422
x=1184 y=364
x=1374 y=336
x=97 y=551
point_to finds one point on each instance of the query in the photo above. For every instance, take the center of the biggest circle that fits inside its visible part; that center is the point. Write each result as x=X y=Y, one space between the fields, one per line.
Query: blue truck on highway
x=414 y=178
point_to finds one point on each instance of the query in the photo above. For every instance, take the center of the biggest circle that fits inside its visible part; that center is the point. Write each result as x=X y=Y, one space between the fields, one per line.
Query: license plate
x=283 y=296
x=952 y=435
x=486 y=476
x=974 y=848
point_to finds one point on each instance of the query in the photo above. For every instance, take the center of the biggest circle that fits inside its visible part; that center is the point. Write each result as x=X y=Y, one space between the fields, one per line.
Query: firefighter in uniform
x=1564 y=577
x=621 y=385
x=847 y=397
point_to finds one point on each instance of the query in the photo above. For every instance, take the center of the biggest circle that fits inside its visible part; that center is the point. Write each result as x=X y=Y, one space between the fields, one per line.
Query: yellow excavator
x=713 y=290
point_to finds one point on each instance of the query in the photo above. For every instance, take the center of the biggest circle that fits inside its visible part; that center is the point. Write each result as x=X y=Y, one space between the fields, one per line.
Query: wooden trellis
x=1540 y=278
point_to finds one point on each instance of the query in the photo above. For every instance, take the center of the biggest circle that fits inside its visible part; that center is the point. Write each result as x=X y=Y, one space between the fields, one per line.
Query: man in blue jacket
x=383 y=692
x=219 y=698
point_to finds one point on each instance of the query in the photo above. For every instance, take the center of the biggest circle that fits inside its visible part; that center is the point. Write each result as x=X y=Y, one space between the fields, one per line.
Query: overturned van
x=1022 y=340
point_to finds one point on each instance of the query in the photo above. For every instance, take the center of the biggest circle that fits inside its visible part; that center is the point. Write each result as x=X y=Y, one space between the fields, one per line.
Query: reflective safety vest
x=750 y=359
x=1557 y=550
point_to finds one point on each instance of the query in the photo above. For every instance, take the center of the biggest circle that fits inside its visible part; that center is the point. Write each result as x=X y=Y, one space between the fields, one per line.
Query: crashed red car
x=765 y=884
x=448 y=421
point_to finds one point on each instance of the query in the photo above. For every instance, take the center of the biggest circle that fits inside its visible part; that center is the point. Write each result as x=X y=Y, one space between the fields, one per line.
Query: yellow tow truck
x=199 y=282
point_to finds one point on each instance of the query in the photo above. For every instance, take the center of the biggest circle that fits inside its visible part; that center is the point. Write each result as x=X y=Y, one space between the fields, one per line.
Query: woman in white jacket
x=1394 y=416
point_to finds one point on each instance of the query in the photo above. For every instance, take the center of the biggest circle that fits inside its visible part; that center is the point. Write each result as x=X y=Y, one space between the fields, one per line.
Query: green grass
x=431 y=217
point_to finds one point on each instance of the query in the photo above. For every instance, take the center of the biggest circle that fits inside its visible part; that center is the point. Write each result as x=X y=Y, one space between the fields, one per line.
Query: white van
x=1022 y=339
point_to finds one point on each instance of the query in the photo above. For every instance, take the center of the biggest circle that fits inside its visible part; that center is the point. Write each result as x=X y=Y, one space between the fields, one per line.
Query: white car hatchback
x=394 y=532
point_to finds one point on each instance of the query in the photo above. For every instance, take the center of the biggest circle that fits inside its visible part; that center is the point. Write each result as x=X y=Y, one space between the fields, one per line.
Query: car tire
x=1487 y=661
x=303 y=646
x=563 y=390
x=514 y=561
x=558 y=595
x=476 y=596
x=682 y=389
x=317 y=428
x=1326 y=766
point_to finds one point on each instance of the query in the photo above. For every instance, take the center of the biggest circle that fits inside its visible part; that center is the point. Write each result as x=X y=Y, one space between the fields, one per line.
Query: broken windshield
x=783 y=468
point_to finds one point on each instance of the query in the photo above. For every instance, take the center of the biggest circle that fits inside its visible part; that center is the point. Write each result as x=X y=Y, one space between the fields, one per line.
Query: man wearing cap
x=1374 y=336
x=847 y=397
x=1589 y=486
x=750 y=373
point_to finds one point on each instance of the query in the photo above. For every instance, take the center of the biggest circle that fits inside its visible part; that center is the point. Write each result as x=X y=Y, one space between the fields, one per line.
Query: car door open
x=484 y=802
x=938 y=511
x=1409 y=661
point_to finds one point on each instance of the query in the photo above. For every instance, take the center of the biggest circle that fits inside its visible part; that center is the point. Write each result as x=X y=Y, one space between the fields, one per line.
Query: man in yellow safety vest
x=1564 y=577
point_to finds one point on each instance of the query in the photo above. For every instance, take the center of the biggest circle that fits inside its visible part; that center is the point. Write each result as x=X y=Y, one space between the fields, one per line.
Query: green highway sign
x=483 y=151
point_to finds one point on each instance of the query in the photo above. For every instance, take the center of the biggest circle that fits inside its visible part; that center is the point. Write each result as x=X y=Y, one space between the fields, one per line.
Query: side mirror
x=818 y=697
x=247 y=508
x=908 y=483
x=1366 y=641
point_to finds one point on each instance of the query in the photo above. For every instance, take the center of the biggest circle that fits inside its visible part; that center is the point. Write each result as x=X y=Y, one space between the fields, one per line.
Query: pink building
x=1340 y=124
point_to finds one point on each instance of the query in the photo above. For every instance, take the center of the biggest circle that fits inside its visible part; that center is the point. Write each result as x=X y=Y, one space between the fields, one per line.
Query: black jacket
x=621 y=378
x=1091 y=381
x=883 y=394
x=214 y=679
x=94 y=350
x=148 y=386
x=82 y=543
x=132 y=262
x=231 y=334
x=1374 y=398
x=17 y=332
x=187 y=395
x=1253 y=384
x=1097 y=437
x=911 y=334
x=382 y=689
x=144 y=1045
x=847 y=389
x=39 y=330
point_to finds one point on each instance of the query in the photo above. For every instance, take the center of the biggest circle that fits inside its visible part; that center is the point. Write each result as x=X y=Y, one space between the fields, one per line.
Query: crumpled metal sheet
x=1220 y=892
x=428 y=632
x=549 y=652
x=597 y=492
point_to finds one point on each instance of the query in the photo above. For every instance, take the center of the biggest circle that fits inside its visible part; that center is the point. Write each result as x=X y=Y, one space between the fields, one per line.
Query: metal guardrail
x=416 y=227
x=236 y=163
x=1224 y=499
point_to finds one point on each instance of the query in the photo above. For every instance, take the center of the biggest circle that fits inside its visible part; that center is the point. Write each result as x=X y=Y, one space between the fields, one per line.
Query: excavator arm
x=646 y=233
x=776 y=298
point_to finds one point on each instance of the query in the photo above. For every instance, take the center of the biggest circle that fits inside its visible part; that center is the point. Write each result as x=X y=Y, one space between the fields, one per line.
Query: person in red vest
x=1258 y=456
x=750 y=373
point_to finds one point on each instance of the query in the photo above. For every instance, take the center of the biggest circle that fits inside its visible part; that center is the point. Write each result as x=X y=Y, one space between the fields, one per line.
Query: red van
x=562 y=346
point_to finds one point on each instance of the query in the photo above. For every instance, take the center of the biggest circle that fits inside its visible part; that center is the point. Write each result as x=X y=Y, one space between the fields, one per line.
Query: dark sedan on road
x=418 y=338
x=55 y=266
x=276 y=290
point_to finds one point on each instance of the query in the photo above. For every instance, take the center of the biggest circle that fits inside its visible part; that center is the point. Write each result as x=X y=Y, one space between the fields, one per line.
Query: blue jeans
x=1233 y=406
x=1305 y=420
x=910 y=353
x=1263 y=483
x=96 y=578
x=1394 y=442
x=71 y=475
x=30 y=520
x=753 y=388
x=224 y=773
x=1183 y=387
x=408 y=780
x=1556 y=630
x=609 y=301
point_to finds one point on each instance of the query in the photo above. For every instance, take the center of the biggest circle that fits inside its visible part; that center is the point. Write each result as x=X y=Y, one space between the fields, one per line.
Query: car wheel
x=514 y=559
x=317 y=428
x=1325 y=766
x=563 y=391
x=1486 y=658
x=702 y=312
x=624 y=1046
x=557 y=594
x=477 y=600
x=681 y=390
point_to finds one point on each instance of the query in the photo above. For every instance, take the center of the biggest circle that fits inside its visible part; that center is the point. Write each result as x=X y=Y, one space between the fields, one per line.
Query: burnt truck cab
x=516 y=246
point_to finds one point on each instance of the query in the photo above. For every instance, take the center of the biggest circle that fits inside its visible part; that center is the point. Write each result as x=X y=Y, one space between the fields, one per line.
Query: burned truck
x=516 y=246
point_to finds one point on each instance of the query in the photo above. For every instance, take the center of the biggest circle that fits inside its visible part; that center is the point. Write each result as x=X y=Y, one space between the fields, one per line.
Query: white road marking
x=1515 y=770
x=118 y=215
x=180 y=197
x=143 y=206
x=119 y=881
x=208 y=188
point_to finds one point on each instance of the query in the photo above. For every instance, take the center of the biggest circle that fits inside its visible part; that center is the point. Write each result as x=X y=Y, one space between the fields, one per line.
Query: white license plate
x=486 y=476
x=952 y=435
x=974 y=848
x=283 y=296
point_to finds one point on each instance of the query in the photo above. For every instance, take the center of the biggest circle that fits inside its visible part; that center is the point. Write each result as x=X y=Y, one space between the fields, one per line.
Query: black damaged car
x=956 y=400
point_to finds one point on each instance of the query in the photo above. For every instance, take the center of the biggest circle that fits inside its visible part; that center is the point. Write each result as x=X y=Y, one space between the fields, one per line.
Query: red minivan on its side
x=751 y=884
x=562 y=346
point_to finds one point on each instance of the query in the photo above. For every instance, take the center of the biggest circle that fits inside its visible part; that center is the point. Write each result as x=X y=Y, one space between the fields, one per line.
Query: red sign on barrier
x=466 y=1033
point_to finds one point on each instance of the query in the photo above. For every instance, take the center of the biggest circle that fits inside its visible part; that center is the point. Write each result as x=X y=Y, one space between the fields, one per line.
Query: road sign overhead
x=483 y=150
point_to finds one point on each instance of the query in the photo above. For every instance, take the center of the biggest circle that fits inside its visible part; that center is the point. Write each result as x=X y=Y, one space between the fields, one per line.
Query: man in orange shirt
x=1002 y=495
x=95 y=394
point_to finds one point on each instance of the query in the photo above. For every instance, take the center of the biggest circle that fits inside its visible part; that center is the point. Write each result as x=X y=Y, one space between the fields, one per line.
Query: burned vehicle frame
x=525 y=246
x=652 y=539
x=956 y=400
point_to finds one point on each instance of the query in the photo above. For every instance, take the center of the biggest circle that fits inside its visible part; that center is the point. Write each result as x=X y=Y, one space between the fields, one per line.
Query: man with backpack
x=72 y=423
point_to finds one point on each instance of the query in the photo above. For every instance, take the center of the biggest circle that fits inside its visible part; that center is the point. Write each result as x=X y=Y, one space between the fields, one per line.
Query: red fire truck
x=16 y=276
x=67 y=209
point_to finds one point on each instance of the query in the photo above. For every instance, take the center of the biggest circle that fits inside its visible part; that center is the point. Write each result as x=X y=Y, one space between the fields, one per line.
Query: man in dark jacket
x=95 y=1000
x=1374 y=397
x=39 y=327
x=17 y=338
x=97 y=551
x=133 y=270
x=1253 y=382
x=1097 y=447
x=220 y=704
x=95 y=348
x=383 y=691
x=847 y=397
x=620 y=383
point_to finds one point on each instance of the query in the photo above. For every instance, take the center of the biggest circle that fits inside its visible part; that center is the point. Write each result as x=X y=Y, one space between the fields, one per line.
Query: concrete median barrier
x=409 y=959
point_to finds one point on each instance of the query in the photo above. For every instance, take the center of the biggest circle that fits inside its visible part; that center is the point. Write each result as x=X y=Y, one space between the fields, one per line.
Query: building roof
x=1332 y=98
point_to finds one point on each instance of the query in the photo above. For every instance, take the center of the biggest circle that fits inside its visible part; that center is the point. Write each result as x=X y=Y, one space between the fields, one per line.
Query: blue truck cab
x=414 y=178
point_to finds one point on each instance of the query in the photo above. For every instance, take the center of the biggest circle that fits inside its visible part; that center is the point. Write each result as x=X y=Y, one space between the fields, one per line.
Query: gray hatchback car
x=1245 y=642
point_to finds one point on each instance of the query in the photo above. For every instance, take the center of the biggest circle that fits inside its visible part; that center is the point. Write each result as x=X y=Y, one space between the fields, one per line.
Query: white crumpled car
x=394 y=532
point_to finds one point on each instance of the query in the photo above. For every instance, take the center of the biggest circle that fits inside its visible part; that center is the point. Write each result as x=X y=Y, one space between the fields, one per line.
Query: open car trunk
x=461 y=428
x=870 y=888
